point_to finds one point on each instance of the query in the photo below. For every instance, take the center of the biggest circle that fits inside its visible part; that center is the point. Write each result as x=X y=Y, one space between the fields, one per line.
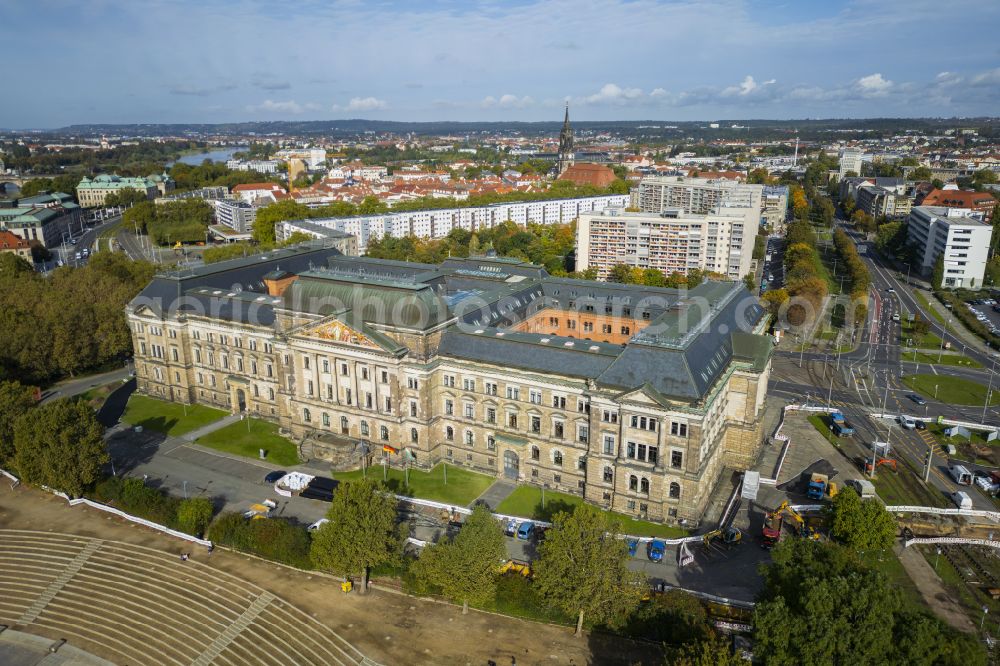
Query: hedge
x=133 y=496
x=275 y=539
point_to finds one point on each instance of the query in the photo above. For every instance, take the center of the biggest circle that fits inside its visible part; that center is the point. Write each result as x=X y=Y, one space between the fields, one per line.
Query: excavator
x=729 y=536
x=866 y=464
x=774 y=520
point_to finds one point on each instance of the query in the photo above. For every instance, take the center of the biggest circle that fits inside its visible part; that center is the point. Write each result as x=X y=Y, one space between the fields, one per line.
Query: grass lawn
x=96 y=396
x=898 y=578
x=821 y=426
x=945 y=359
x=926 y=341
x=169 y=418
x=463 y=485
x=966 y=447
x=244 y=440
x=927 y=306
x=953 y=390
x=527 y=501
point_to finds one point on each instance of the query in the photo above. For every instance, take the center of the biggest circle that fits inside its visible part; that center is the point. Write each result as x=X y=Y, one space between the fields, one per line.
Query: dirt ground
x=388 y=627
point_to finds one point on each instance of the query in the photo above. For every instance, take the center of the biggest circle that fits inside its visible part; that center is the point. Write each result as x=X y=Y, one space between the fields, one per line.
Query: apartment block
x=959 y=235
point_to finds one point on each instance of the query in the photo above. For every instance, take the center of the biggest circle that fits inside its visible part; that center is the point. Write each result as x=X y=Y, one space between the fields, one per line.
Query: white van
x=961 y=499
x=864 y=488
x=962 y=476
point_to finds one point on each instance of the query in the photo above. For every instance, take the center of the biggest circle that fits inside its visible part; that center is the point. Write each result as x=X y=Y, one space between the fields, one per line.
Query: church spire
x=566 y=157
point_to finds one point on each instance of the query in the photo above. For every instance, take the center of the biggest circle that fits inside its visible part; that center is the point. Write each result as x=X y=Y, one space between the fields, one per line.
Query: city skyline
x=242 y=60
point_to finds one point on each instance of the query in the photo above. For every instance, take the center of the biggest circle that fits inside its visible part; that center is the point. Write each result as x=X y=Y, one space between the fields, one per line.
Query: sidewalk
x=496 y=493
x=211 y=427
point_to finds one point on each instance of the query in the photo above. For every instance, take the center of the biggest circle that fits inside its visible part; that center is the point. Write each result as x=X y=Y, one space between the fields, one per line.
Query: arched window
x=557 y=457
x=644 y=486
x=633 y=482
x=675 y=490
x=469 y=438
x=609 y=475
x=306 y=416
x=449 y=433
x=413 y=435
x=535 y=453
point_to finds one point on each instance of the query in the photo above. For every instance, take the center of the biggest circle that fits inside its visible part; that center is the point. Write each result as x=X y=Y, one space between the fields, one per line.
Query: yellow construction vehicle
x=729 y=536
x=517 y=567
x=785 y=509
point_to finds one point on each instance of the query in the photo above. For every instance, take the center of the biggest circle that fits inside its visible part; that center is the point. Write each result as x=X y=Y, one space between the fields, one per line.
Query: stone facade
x=339 y=387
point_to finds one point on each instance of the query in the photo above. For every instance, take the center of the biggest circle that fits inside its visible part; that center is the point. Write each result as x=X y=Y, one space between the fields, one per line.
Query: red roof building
x=11 y=243
x=586 y=173
x=978 y=201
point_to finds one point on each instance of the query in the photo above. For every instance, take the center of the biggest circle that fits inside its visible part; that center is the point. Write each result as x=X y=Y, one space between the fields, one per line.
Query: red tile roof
x=586 y=173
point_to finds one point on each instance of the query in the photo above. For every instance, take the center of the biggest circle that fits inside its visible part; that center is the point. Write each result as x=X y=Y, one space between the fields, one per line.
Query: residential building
x=44 y=219
x=211 y=193
x=15 y=245
x=265 y=192
x=883 y=202
x=960 y=235
x=774 y=207
x=634 y=398
x=236 y=214
x=671 y=241
x=850 y=160
x=695 y=195
x=260 y=166
x=952 y=197
x=91 y=192
x=438 y=223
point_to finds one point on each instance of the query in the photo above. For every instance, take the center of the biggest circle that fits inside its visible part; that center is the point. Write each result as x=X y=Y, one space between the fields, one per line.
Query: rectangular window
x=559 y=401
x=630 y=450
x=536 y=424
x=588 y=327
x=343 y=369
x=449 y=407
x=412 y=383
x=571 y=324
x=305 y=362
x=385 y=377
x=326 y=365
x=609 y=445
x=491 y=415
x=329 y=391
x=676 y=459
x=625 y=330
x=469 y=384
x=448 y=380
x=609 y=416
x=652 y=454
x=309 y=387
x=513 y=393
x=491 y=388
x=364 y=372
x=583 y=433
x=606 y=328
x=535 y=396
x=512 y=420
x=470 y=410
x=413 y=408
x=347 y=395
x=557 y=429
x=679 y=429
x=388 y=405
x=491 y=443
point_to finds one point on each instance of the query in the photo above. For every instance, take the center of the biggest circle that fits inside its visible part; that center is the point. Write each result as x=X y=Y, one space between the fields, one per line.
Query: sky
x=209 y=61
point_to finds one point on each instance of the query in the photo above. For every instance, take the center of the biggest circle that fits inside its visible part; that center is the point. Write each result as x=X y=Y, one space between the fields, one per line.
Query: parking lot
x=774 y=265
x=986 y=310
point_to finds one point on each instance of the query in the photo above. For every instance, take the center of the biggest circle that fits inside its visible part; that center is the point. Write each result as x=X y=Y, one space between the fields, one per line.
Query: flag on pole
x=684 y=555
x=389 y=449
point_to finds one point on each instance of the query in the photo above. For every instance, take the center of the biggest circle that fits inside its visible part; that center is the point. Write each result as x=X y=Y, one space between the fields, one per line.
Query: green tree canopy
x=466 y=567
x=60 y=445
x=863 y=525
x=582 y=567
x=15 y=400
x=128 y=196
x=361 y=533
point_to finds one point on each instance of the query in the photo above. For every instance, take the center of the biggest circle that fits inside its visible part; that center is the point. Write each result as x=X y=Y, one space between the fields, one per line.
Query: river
x=219 y=155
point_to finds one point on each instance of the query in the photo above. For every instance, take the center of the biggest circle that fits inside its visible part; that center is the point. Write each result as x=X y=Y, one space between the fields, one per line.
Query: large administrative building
x=636 y=398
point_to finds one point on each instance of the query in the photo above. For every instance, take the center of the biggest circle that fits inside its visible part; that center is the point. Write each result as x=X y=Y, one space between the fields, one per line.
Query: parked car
x=524 y=530
x=655 y=550
x=633 y=546
x=920 y=425
x=917 y=399
x=511 y=528
x=272 y=477
x=907 y=422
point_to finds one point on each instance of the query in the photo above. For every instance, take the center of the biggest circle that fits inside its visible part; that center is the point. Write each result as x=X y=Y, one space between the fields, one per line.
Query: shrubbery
x=133 y=496
x=272 y=538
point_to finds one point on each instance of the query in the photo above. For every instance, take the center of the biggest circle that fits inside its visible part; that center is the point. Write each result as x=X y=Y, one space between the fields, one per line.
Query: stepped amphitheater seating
x=143 y=606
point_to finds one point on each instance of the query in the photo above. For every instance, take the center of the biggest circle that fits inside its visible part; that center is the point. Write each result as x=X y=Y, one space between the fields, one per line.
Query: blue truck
x=839 y=425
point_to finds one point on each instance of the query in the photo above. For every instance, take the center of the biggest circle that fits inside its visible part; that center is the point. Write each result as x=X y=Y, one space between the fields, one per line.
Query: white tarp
x=751 y=484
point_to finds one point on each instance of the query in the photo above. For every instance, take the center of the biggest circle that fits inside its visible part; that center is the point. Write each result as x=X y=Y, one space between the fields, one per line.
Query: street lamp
x=936 y=557
x=981 y=622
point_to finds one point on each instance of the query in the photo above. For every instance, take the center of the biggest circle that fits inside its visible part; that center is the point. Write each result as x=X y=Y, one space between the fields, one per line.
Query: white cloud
x=507 y=101
x=747 y=87
x=289 y=106
x=611 y=93
x=989 y=78
x=658 y=92
x=874 y=85
x=362 y=104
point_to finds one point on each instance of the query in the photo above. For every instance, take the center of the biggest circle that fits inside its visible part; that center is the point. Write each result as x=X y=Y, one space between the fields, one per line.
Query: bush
x=133 y=496
x=194 y=515
x=271 y=538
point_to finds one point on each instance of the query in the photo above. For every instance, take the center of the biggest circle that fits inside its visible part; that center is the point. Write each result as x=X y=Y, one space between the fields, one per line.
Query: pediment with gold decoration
x=338 y=331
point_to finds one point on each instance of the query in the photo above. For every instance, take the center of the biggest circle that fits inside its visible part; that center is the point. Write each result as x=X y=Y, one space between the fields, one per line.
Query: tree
x=372 y=205
x=920 y=326
x=774 y=299
x=711 y=652
x=621 y=273
x=582 y=568
x=194 y=514
x=15 y=400
x=822 y=605
x=60 y=445
x=466 y=568
x=695 y=276
x=937 y=273
x=864 y=526
x=140 y=216
x=758 y=176
x=849 y=205
x=279 y=211
x=921 y=173
x=361 y=533
x=128 y=196
x=749 y=282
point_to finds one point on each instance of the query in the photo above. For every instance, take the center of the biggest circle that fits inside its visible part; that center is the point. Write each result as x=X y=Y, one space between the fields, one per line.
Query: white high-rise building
x=850 y=160
x=962 y=237
x=695 y=195
x=671 y=241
